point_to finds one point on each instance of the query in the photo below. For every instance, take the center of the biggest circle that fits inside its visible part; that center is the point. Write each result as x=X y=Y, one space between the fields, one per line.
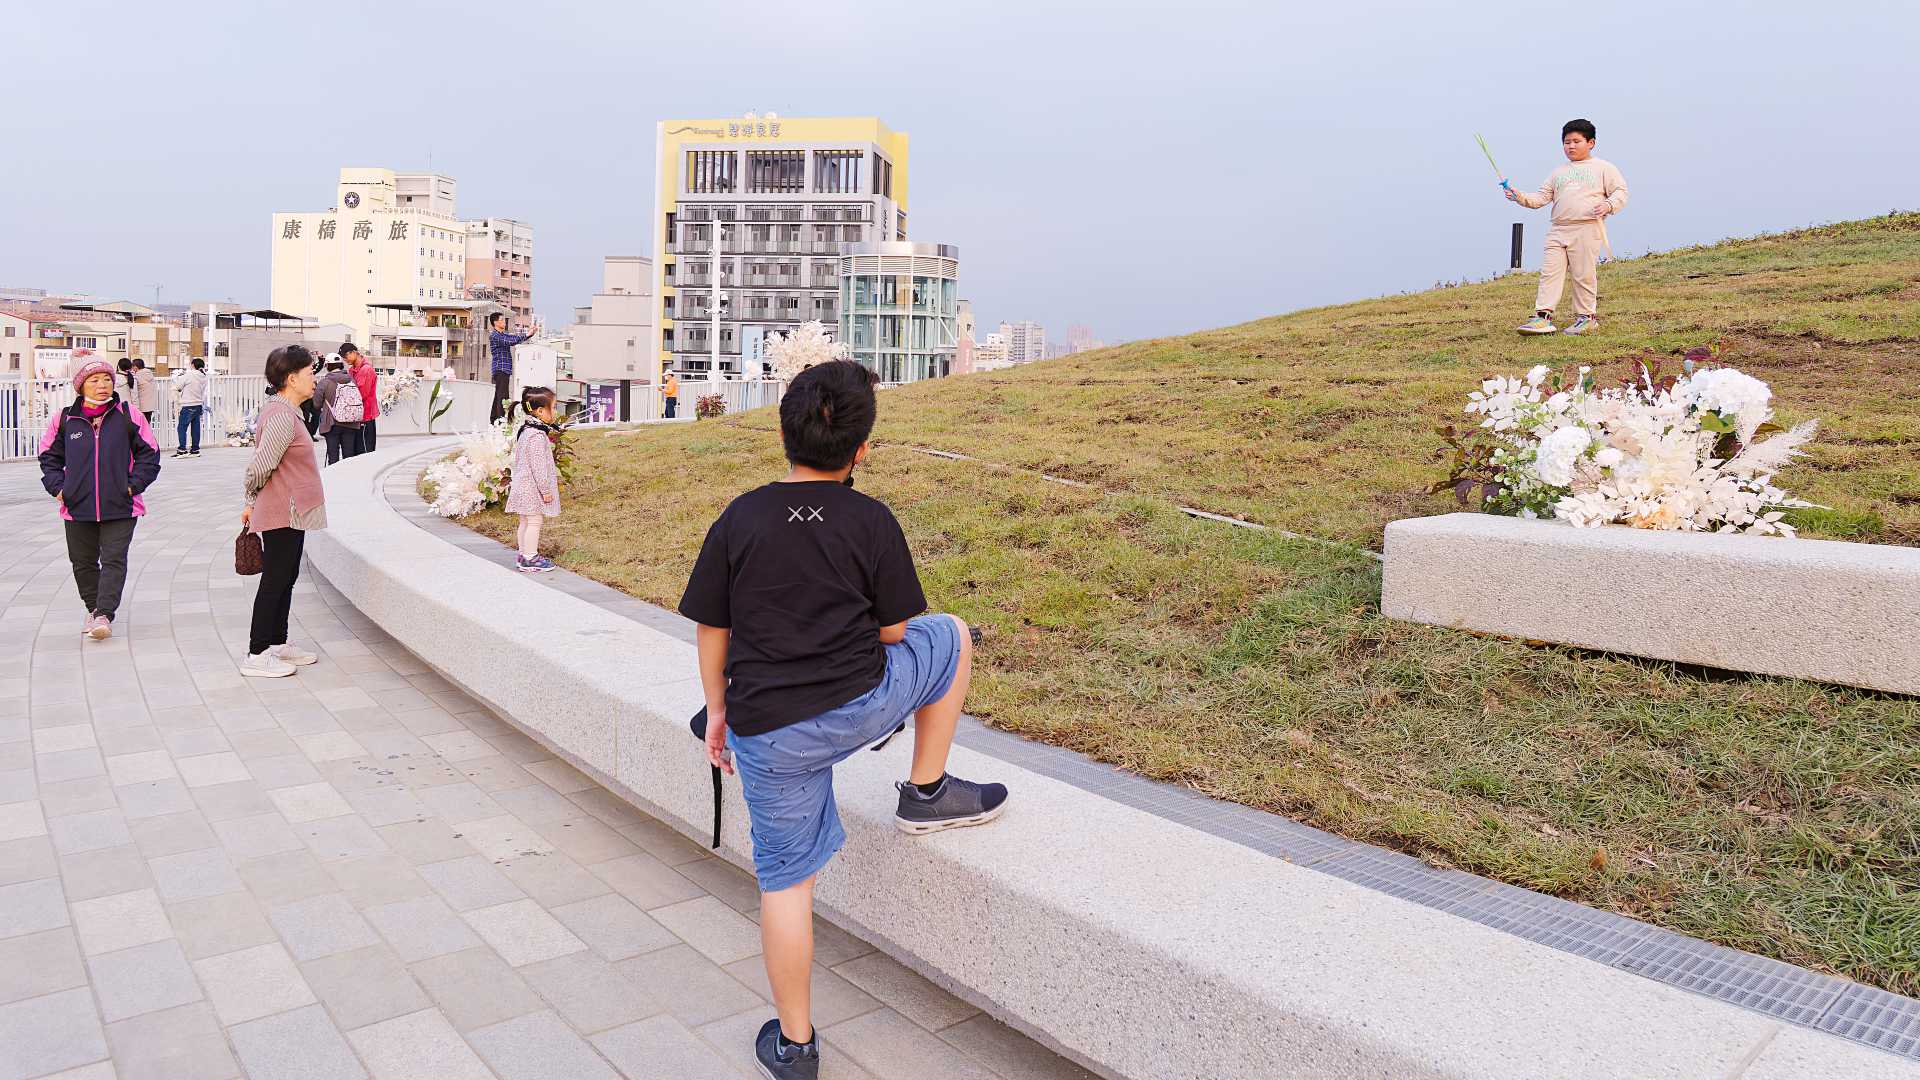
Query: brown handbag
x=248 y=559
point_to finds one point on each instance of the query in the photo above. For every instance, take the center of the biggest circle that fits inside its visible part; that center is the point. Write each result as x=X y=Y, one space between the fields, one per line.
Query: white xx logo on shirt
x=804 y=513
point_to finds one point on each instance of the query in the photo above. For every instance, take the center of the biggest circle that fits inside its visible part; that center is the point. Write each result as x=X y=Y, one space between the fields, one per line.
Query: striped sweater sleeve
x=270 y=445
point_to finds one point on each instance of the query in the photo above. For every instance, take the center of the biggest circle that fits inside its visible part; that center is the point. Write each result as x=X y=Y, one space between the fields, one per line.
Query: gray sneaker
x=955 y=804
x=796 y=1062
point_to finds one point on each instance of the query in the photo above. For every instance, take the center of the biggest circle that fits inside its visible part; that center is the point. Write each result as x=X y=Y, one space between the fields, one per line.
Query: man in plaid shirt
x=500 y=344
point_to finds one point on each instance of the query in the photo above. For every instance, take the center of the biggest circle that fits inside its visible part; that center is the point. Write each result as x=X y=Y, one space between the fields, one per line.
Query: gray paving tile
x=373 y=880
x=697 y=991
x=417 y=1046
x=522 y=932
x=588 y=993
x=104 y=872
x=321 y=926
x=160 y=797
x=172 y=1045
x=224 y=802
x=212 y=925
x=662 y=1045
x=191 y=875
x=614 y=927
x=905 y=991
x=89 y=831
x=365 y=986
x=421 y=928
x=142 y=979
x=50 y=1033
x=887 y=1044
x=251 y=983
x=1008 y=1053
x=299 y=1045
x=833 y=998
x=286 y=877
x=44 y=962
x=470 y=882
x=476 y=988
x=27 y=858
x=647 y=881
x=257 y=835
x=553 y=879
x=170 y=834
x=720 y=933
x=32 y=906
x=86 y=796
x=539 y=1046
x=341 y=838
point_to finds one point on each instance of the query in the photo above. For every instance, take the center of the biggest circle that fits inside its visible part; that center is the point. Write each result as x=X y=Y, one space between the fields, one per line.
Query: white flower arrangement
x=475 y=478
x=397 y=388
x=794 y=352
x=239 y=426
x=1677 y=453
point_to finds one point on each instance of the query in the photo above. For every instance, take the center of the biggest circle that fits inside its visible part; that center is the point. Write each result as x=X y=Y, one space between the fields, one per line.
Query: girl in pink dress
x=534 y=492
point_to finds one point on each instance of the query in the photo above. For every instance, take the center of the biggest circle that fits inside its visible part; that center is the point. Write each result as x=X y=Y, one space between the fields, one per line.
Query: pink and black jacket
x=100 y=471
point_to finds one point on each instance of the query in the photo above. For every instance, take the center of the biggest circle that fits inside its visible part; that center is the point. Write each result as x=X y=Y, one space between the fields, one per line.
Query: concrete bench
x=1808 y=609
x=1134 y=945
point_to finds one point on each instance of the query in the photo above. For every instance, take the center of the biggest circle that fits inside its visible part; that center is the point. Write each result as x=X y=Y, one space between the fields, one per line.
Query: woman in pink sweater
x=284 y=501
x=534 y=492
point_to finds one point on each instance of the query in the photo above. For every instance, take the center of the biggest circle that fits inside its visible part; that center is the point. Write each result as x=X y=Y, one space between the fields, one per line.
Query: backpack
x=347 y=408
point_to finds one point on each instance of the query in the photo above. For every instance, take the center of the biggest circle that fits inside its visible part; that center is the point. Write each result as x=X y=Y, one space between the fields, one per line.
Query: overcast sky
x=1143 y=168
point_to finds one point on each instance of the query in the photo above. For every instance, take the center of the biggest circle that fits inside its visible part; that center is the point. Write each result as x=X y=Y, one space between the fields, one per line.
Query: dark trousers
x=310 y=413
x=280 y=567
x=98 y=551
x=342 y=442
x=502 y=386
x=366 y=438
x=672 y=404
x=189 y=421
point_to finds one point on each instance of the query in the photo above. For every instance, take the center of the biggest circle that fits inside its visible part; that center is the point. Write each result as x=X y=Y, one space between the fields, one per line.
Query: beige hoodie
x=1576 y=190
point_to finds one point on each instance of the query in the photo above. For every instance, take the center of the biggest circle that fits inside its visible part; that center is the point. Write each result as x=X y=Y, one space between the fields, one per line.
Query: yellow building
x=756 y=210
x=391 y=238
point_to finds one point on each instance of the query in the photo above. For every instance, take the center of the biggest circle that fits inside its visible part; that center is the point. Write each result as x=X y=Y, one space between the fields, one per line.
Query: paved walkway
x=357 y=871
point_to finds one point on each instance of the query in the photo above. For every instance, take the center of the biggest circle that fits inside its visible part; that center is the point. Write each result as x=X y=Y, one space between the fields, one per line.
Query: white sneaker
x=294 y=655
x=265 y=666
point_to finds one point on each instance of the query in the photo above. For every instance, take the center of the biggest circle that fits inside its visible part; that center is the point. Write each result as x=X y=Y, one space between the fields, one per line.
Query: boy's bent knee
x=966 y=634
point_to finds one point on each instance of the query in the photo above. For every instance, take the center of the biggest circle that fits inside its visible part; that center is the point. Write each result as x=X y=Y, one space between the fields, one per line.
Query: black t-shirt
x=805 y=575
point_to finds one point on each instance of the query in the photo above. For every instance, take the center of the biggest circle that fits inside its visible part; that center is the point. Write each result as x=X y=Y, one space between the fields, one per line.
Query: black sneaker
x=955 y=804
x=799 y=1061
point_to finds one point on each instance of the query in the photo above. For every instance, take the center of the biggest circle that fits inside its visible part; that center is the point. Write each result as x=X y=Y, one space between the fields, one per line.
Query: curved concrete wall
x=1810 y=609
x=1135 y=945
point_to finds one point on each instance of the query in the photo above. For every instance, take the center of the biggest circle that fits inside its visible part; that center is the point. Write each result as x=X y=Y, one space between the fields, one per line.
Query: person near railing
x=500 y=345
x=96 y=458
x=146 y=397
x=368 y=381
x=670 y=396
x=342 y=435
x=191 y=385
x=285 y=500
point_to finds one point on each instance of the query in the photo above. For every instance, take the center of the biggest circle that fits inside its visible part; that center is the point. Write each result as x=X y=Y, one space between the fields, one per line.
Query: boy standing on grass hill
x=812 y=648
x=1583 y=192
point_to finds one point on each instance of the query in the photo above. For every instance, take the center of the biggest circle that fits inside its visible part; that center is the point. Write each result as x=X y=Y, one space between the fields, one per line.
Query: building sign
x=291 y=230
x=326 y=229
x=753 y=350
x=363 y=230
x=740 y=129
x=397 y=231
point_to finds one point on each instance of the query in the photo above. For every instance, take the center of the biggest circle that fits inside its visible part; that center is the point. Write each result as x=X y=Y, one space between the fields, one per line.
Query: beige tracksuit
x=1576 y=191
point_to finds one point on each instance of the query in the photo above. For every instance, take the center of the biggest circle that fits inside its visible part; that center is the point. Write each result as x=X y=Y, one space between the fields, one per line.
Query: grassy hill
x=1777 y=816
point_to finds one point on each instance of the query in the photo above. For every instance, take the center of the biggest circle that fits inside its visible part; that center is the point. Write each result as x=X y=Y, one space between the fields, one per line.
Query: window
x=776 y=170
x=836 y=171
x=882 y=176
x=9 y=331
x=709 y=171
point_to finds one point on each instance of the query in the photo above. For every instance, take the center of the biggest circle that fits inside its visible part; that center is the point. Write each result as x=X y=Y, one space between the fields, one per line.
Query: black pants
x=280 y=561
x=98 y=551
x=502 y=386
x=311 y=414
x=342 y=442
x=366 y=438
x=672 y=403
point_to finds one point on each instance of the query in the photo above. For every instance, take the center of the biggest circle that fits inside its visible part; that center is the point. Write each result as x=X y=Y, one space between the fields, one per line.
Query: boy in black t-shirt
x=810 y=650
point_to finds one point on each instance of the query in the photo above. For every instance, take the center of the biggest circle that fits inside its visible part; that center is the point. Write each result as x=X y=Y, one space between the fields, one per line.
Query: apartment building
x=612 y=336
x=500 y=261
x=1026 y=342
x=750 y=217
x=900 y=308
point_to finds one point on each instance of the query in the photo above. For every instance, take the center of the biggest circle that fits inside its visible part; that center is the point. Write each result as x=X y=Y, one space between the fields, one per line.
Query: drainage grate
x=1545 y=920
x=1877 y=1018
x=1754 y=982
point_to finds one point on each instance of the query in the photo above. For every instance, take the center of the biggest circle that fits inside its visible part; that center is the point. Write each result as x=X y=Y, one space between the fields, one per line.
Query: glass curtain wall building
x=900 y=308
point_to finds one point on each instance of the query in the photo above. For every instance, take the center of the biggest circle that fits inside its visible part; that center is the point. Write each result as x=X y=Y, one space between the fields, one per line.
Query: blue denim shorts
x=787 y=773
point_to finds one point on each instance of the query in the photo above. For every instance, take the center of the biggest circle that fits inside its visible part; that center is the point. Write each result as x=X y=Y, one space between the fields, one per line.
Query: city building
x=751 y=215
x=429 y=338
x=390 y=238
x=613 y=336
x=991 y=354
x=1026 y=342
x=1080 y=339
x=500 y=267
x=964 y=328
x=899 y=308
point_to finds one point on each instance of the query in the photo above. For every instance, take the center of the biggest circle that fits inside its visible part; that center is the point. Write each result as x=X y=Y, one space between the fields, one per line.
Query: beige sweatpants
x=1571 y=249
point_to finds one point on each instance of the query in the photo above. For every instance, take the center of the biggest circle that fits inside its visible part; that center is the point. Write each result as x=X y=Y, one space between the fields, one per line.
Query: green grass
x=1772 y=815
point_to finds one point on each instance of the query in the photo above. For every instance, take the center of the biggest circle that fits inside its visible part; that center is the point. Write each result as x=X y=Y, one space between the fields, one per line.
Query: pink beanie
x=90 y=368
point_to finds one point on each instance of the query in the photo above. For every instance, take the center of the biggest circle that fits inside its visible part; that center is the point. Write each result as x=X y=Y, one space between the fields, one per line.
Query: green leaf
x=1713 y=421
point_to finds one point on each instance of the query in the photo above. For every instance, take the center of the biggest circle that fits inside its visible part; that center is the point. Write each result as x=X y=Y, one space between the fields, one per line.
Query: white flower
x=1557 y=454
x=1609 y=457
x=794 y=352
x=1735 y=395
x=1538 y=374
